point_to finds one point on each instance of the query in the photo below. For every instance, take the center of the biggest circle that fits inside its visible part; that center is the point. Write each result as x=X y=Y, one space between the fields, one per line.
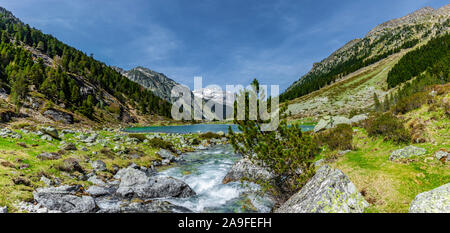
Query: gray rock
x=136 y=183
x=329 y=122
x=407 y=152
x=153 y=206
x=69 y=146
x=329 y=191
x=165 y=154
x=63 y=199
x=97 y=191
x=319 y=162
x=441 y=154
x=67 y=131
x=46 y=181
x=434 y=201
x=91 y=139
x=358 y=118
x=48 y=156
x=47 y=137
x=244 y=168
x=51 y=131
x=97 y=181
x=57 y=115
x=3 y=210
x=98 y=165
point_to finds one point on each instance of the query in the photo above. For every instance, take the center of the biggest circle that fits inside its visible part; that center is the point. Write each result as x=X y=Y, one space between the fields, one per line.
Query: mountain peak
x=415 y=17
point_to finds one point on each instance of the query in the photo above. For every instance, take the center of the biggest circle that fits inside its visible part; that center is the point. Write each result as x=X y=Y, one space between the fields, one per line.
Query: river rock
x=3 y=210
x=108 y=205
x=136 y=183
x=329 y=122
x=63 y=199
x=328 y=191
x=434 y=201
x=244 y=168
x=166 y=155
x=407 y=152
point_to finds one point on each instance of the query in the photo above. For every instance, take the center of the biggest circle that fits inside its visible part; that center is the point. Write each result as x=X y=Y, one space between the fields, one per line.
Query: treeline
x=314 y=82
x=18 y=68
x=414 y=94
x=435 y=52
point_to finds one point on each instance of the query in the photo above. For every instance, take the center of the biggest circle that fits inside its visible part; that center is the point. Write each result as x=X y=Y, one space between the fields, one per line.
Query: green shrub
x=209 y=135
x=410 y=103
x=138 y=136
x=160 y=143
x=288 y=153
x=388 y=126
x=338 y=138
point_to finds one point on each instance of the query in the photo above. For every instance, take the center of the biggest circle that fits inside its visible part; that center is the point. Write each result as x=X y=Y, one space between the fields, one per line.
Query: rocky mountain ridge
x=419 y=25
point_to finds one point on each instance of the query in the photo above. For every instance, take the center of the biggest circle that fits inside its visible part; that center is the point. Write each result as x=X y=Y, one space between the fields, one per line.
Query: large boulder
x=3 y=210
x=60 y=116
x=328 y=191
x=329 y=122
x=135 y=183
x=407 y=152
x=165 y=154
x=359 y=118
x=245 y=169
x=434 y=201
x=51 y=132
x=63 y=199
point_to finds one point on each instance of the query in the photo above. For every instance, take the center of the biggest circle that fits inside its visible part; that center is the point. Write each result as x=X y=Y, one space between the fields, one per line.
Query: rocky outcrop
x=60 y=116
x=407 y=152
x=329 y=122
x=6 y=116
x=434 y=201
x=48 y=156
x=136 y=183
x=329 y=191
x=245 y=169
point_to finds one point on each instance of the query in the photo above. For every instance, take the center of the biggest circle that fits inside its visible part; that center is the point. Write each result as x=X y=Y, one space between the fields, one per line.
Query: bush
x=288 y=153
x=160 y=143
x=209 y=135
x=338 y=138
x=114 y=108
x=410 y=103
x=138 y=136
x=388 y=126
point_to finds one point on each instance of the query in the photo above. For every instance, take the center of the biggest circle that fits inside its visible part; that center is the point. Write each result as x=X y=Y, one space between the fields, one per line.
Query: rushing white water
x=204 y=171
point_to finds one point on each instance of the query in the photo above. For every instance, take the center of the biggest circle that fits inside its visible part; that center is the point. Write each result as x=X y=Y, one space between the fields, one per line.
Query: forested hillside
x=383 y=41
x=33 y=61
x=435 y=54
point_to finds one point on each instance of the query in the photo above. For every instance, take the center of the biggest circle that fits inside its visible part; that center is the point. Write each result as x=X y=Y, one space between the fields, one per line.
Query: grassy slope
x=391 y=186
x=12 y=154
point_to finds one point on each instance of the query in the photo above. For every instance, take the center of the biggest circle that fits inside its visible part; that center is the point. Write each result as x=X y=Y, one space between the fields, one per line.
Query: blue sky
x=224 y=41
